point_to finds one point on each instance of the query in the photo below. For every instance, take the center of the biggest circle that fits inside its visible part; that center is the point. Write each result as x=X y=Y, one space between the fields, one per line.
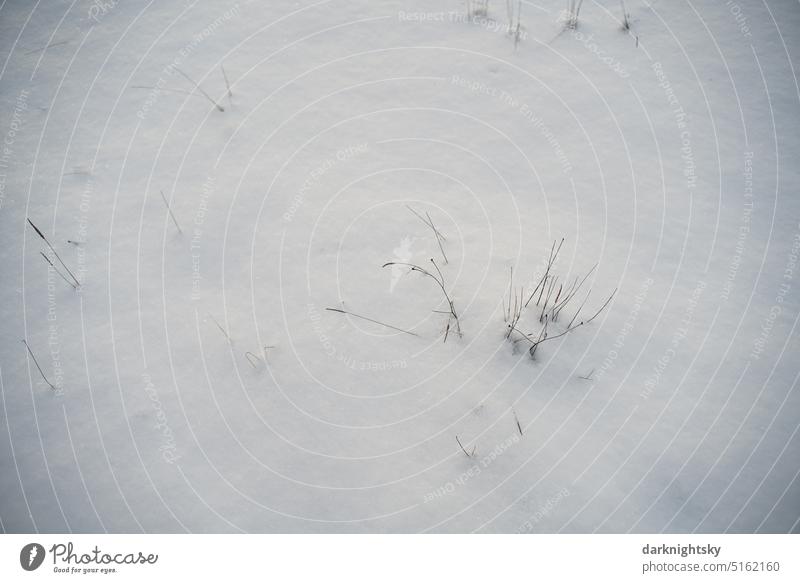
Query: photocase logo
x=31 y=556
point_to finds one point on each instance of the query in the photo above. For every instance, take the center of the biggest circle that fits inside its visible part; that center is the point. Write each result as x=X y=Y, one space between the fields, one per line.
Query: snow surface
x=667 y=154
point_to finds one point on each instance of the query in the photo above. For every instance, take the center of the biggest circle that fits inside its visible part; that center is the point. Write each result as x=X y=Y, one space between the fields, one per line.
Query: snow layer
x=666 y=153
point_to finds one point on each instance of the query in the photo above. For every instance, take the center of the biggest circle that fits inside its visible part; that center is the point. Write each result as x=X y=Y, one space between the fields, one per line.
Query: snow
x=666 y=154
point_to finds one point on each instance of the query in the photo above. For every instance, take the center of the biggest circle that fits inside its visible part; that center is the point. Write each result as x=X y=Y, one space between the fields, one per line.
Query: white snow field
x=200 y=384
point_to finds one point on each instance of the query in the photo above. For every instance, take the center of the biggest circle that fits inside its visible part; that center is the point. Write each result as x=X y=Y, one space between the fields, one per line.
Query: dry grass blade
x=61 y=261
x=516 y=420
x=252 y=359
x=36 y=362
x=227 y=83
x=371 y=320
x=436 y=232
x=200 y=89
x=46 y=258
x=174 y=220
x=221 y=329
x=469 y=455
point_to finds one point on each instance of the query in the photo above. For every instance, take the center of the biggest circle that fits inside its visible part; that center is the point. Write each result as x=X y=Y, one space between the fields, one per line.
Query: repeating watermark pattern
x=625 y=330
x=343 y=358
x=544 y=510
x=342 y=155
x=168 y=448
x=53 y=342
x=740 y=18
x=473 y=471
x=99 y=9
x=185 y=52
x=681 y=121
x=7 y=147
x=195 y=242
x=82 y=236
x=678 y=336
x=768 y=322
x=744 y=228
x=477 y=17
x=587 y=40
x=523 y=109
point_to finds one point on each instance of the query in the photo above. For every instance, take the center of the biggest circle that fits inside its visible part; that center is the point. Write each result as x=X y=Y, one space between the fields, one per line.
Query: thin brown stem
x=371 y=320
x=36 y=362
x=174 y=220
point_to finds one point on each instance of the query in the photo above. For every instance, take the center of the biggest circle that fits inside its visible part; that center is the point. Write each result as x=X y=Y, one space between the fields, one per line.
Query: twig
x=227 y=84
x=575 y=290
x=421 y=218
x=174 y=220
x=438 y=238
x=371 y=320
x=626 y=25
x=603 y=307
x=437 y=233
x=579 y=309
x=38 y=232
x=36 y=362
x=547 y=298
x=510 y=288
x=250 y=356
x=543 y=282
x=516 y=419
x=40 y=49
x=200 y=89
x=221 y=329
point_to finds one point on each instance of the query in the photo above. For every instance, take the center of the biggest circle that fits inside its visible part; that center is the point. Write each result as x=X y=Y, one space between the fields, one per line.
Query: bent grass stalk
x=440 y=282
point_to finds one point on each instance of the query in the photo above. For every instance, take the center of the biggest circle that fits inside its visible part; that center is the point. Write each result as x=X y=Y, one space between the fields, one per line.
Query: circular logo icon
x=31 y=556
